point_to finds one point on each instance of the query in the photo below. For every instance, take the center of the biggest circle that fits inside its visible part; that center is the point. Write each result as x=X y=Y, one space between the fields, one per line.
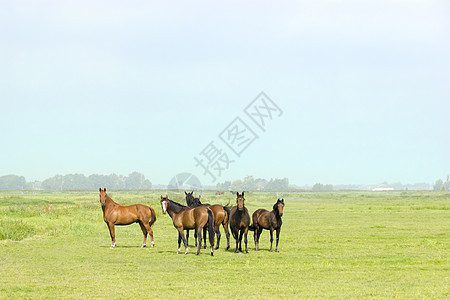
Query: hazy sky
x=122 y=86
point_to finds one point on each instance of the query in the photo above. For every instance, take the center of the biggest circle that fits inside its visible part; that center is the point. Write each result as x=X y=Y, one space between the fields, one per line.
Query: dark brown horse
x=221 y=217
x=270 y=220
x=115 y=214
x=189 y=218
x=239 y=222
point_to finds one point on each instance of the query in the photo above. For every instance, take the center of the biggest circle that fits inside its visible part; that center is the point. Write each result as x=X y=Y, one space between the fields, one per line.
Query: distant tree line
x=254 y=184
x=322 y=187
x=134 y=181
x=441 y=185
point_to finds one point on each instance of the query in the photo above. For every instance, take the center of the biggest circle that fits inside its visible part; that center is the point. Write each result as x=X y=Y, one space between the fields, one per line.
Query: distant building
x=380 y=189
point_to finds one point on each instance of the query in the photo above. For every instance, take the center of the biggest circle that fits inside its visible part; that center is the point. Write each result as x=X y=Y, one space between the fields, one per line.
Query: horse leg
x=181 y=232
x=217 y=230
x=187 y=236
x=245 y=239
x=204 y=234
x=144 y=232
x=199 y=235
x=255 y=237
x=236 y=237
x=271 y=238
x=179 y=242
x=227 y=234
x=278 y=237
x=112 y=234
x=150 y=232
x=241 y=233
x=195 y=237
x=258 y=235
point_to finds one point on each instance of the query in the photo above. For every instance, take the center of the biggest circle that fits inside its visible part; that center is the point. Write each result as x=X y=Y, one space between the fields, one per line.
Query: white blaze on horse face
x=164 y=206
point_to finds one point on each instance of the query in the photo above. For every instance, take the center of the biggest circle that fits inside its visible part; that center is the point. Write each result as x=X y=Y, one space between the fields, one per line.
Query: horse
x=239 y=222
x=221 y=216
x=189 y=218
x=115 y=214
x=263 y=219
x=220 y=192
x=193 y=202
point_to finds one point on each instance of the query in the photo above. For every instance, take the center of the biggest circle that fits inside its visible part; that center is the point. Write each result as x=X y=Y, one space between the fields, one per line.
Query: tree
x=53 y=183
x=438 y=185
x=137 y=181
x=320 y=187
x=317 y=187
x=12 y=182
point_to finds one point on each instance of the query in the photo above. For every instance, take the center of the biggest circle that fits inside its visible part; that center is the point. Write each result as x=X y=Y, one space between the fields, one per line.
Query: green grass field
x=332 y=245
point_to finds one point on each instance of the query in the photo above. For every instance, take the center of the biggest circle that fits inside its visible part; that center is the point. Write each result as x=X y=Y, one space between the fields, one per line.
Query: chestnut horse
x=239 y=222
x=221 y=216
x=263 y=219
x=189 y=218
x=115 y=214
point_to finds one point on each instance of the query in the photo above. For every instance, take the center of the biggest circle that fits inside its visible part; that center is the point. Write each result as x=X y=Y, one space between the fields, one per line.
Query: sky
x=98 y=87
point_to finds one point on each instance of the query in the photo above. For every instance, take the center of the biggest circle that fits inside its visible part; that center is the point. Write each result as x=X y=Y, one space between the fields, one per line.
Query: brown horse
x=263 y=219
x=189 y=218
x=239 y=222
x=115 y=214
x=221 y=216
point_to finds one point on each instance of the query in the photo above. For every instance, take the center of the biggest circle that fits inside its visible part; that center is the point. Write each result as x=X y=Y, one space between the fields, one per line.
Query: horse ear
x=167 y=197
x=185 y=193
x=104 y=190
x=242 y=194
x=99 y=189
x=199 y=197
x=161 y=197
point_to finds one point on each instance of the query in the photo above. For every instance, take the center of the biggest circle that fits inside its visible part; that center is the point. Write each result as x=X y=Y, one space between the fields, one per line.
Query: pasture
x=332 y=245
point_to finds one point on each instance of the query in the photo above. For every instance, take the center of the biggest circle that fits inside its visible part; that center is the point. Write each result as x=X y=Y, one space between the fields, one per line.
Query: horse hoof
x=143 y=246
x=227 y=248
x=246 y=252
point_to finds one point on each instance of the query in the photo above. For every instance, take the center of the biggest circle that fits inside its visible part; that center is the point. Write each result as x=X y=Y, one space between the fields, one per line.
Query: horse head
x=279 y=206
x=103 y=196
x=240 y=201
x=164 y=203
x=190 y=199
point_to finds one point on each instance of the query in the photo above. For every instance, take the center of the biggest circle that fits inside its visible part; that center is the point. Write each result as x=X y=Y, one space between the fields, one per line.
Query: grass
x=332 y=245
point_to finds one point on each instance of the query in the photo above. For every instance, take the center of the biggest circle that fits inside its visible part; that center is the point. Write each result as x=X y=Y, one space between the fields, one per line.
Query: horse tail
x=227 y=212
x=251 y=228
x=153 y=219
x=211 y=227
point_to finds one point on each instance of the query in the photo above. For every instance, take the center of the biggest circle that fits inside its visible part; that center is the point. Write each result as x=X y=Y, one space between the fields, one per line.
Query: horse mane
x=178 y=207
x=109 y=198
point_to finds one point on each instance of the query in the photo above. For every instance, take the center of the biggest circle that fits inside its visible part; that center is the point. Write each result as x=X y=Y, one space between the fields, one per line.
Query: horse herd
x=201 y=217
